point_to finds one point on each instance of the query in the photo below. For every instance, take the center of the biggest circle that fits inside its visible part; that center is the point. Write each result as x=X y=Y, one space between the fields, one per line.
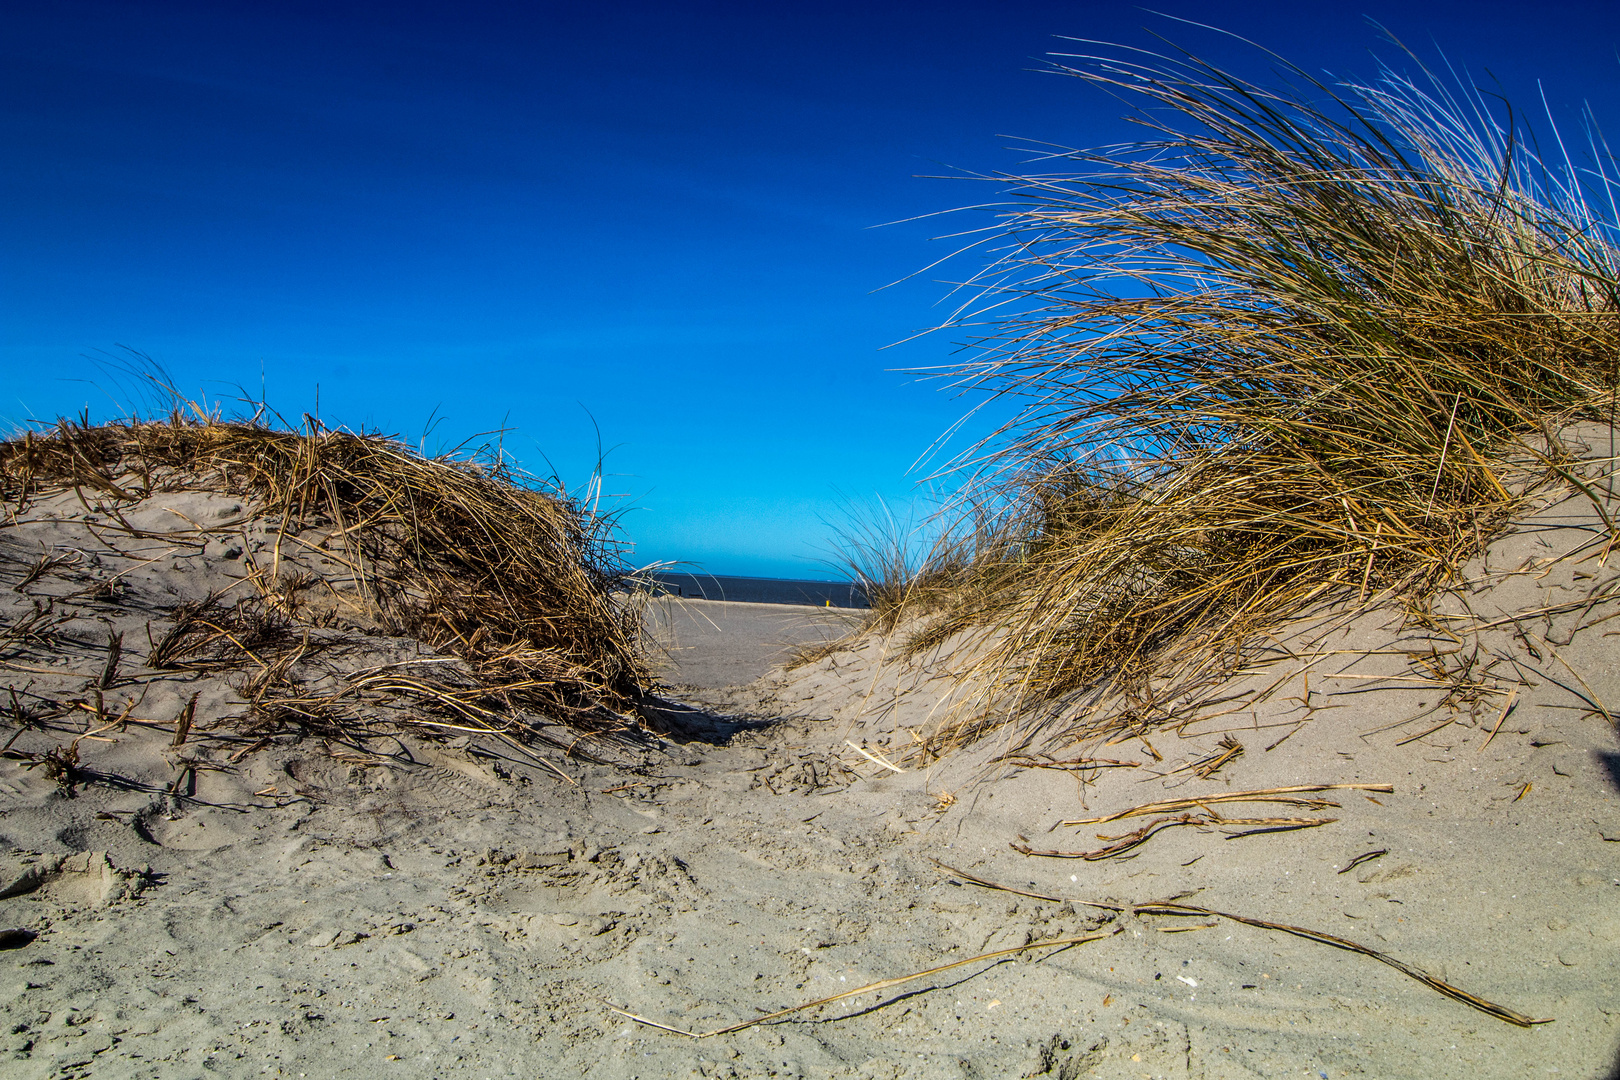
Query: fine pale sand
x=418 y=907
x=712 y=644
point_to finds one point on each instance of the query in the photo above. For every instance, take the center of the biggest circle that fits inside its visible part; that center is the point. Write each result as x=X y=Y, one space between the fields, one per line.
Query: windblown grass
x=461 y=553
x=1299 y=345
x=901 y=569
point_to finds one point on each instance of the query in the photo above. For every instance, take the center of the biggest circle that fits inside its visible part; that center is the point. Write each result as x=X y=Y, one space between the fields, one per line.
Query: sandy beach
x=1218 y=468
x=201 y=902
x=715 y=644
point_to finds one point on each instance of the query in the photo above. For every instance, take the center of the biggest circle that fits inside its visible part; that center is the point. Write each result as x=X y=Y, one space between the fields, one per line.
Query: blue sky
x=656 y=220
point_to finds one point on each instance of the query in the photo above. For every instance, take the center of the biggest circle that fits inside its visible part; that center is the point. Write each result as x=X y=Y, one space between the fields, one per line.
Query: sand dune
x=429 y=902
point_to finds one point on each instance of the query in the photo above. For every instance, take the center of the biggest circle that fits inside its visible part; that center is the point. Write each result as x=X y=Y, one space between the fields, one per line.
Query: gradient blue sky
x=659 y=216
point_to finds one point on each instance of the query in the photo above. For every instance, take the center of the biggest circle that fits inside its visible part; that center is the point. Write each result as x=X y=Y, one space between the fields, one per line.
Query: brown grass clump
x=1298 y=346
x=463 y=554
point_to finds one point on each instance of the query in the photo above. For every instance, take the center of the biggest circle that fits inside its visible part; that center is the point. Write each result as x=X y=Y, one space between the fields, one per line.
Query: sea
x=757 y=590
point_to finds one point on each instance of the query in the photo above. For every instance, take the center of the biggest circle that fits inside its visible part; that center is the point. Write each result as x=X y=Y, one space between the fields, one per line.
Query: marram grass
x=1295 y=346
x=518 y=580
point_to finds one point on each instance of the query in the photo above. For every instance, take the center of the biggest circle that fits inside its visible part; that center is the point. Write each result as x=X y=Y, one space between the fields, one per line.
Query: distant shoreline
x=760 y=590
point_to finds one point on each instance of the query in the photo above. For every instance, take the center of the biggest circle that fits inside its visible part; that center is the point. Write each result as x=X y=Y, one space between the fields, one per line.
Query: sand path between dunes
x=715 y=644
x=433 y=909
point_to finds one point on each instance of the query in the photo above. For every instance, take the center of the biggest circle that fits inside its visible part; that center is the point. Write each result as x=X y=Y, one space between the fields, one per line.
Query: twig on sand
x=1057 y=943
x=1171 y=908
x=1028 y=761
x=1452 y=719
x=1286 y=737
x=873 y=758
x=1171 y=806
x=1594 y=699
x=1125 y=843
x=1207 y=767
x=1507 y=707
x=1366 y=856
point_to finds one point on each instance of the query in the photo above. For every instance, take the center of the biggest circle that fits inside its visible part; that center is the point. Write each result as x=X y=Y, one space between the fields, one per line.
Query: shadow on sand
x=1613 y=1072
x=682 y=722
x=1611 y=765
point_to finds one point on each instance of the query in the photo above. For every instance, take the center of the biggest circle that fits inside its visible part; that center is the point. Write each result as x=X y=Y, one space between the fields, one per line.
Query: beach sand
x=711 y=644
x=430 y=908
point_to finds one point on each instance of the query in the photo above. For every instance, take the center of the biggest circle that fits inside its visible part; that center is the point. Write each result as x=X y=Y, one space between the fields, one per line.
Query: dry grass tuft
x=462 y=553
x=1299 y=346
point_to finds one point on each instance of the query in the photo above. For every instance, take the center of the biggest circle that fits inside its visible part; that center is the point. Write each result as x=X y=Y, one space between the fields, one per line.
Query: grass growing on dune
x=1291 y=347
x=461 y=553
x=900 y=569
